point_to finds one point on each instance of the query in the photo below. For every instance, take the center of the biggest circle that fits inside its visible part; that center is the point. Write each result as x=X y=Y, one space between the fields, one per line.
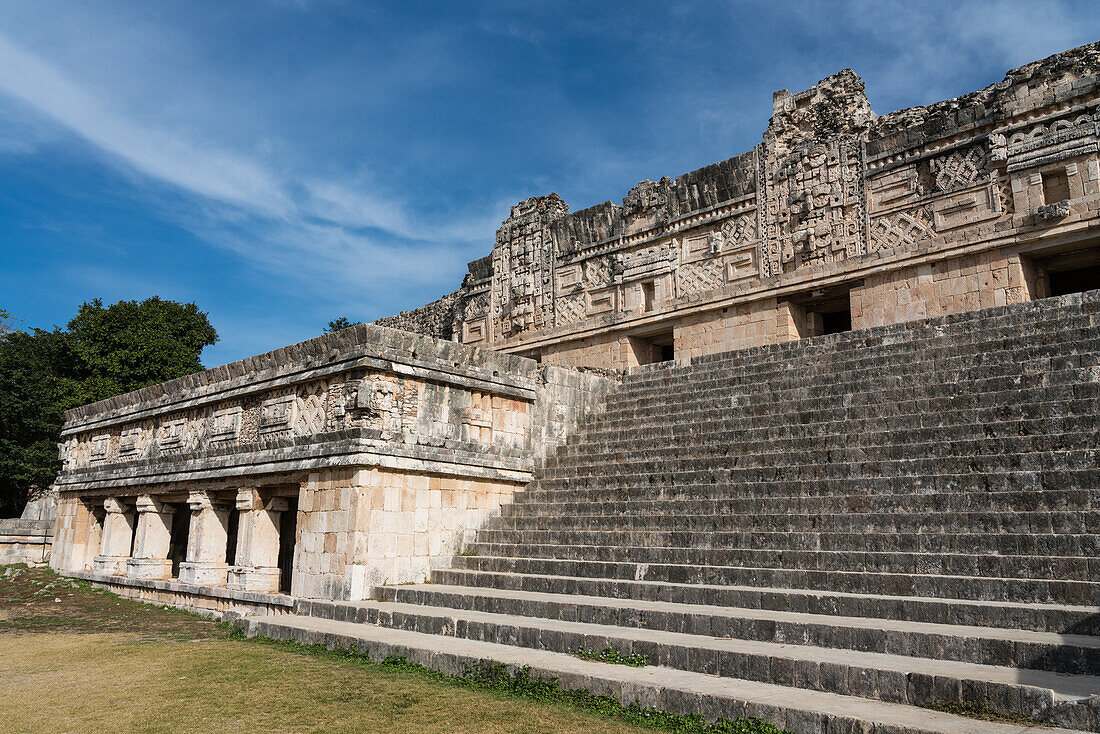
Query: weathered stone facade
x=835 y=534
x=355 y=459
x=926 y=211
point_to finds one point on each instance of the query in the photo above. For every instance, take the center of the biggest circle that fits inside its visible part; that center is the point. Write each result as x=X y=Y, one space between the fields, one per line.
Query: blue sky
x=282 y=163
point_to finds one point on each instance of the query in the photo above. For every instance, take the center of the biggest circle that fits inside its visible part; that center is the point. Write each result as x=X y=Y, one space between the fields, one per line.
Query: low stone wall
x=355 y=459
x=212 y=602
x=25 y=541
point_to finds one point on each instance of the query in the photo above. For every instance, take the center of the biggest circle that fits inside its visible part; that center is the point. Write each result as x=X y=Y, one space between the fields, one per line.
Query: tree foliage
x=7 y=322
x=104 y=351
x=342 y=322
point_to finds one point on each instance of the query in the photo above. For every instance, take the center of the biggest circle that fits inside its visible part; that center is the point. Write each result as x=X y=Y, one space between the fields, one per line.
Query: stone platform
x=830 y=533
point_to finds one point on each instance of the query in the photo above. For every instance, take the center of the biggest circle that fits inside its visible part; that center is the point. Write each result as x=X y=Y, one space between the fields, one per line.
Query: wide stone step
x=707 y=500
x=1073 y=489
x=902 y=405
x=828 y=447
x=878 y=676
x=811 y=481
x=713 y=436
x=802 y=711
x=1039 y=522
x=1072 y=654
x=1007 y=544
x=1062 y=568
x=1038 y=617
x=906 y=460
x=977 y=336
x=1050 y=591
x=1070 y=349
x=935 y=379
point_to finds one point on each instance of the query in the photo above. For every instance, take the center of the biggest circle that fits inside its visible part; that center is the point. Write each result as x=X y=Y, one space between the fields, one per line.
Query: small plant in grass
x=613 y=656
x=984 y=711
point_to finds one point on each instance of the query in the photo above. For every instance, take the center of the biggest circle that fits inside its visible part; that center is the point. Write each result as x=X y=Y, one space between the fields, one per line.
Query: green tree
x=7 y=322
x=130 y=345
x=104 y=351
x=340 y=323
x=39 y=381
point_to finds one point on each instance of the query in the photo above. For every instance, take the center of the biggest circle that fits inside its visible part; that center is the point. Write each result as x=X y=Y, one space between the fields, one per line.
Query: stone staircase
x=830 y=534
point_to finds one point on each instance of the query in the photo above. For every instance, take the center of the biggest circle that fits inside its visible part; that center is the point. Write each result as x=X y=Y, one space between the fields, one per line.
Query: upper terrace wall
x=832 y=192
x=364 y=396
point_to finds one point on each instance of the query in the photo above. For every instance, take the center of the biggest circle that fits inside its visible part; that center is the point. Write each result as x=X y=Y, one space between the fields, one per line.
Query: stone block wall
x=387 y=448
x=833 y=195
x=978 y=281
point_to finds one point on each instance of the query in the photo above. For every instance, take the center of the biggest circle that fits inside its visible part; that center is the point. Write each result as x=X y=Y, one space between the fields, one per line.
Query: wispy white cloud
x=339 y=235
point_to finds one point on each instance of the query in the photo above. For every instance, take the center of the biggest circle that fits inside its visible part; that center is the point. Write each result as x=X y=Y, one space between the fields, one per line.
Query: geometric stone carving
x=101 y=444
x=900 y=228
x=310 y=418
x=276 y=413
x=225 y=425
x=700 y=277
x=960 y=168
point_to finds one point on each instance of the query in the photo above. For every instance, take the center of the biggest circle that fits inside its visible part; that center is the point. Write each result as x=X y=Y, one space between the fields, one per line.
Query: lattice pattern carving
x=310 y=414
x=571 y=308
x=960 y=168
x=701 y=276
x=902 y=228
x=739 y=231
x=597 y=272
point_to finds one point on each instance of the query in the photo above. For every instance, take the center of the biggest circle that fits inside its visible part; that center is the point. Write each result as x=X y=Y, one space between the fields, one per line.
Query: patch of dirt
x=34 y=600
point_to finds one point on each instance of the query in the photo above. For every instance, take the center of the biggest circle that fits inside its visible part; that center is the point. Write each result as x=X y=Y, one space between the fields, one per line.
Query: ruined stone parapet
x=833 y=191
x=364 y=396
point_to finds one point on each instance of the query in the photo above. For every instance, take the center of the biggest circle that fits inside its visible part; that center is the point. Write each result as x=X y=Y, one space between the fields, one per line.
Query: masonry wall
x=374 y=527
x=983 y=280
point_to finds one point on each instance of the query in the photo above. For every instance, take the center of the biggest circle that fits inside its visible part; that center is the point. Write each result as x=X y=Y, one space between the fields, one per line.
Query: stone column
x=257 y=559
x=154 y=535
x=206 y=541
x=118 y=534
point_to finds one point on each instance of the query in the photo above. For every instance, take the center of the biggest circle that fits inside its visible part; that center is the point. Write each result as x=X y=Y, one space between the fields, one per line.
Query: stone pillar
x=257 y=558
x=154 y=535
x=206 y=541
x=118 y=534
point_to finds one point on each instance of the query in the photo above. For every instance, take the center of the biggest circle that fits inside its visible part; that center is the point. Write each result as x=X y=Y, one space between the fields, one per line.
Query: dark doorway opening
x=654 y=347
x=1075 y=281
x=231 y=530
x=177 y=542
x=822 y=311
x=288 y=530
x=1062 y=273
x=836 y=322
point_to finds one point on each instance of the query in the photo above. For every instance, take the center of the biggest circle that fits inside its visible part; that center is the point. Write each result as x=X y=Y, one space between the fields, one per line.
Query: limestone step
x=1066 y=348
x=1072 y=654
x=1036 y=522
x=879 y=676
x=1039 y=617
x=1001 y=544
x=932 y=382
x=1055 y=591
x=710 y=500
x=1073 y=349
x=801 y=711
x=1061 y=568
x=895 y=461
x=843 y=432
x=1017 y=490
x=827 y=480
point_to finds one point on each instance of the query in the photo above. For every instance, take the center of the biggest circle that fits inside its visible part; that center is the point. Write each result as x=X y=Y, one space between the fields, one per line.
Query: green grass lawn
x=76 y=660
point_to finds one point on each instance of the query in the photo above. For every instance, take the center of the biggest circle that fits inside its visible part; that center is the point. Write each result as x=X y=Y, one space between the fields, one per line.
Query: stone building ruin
x=813 y=427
